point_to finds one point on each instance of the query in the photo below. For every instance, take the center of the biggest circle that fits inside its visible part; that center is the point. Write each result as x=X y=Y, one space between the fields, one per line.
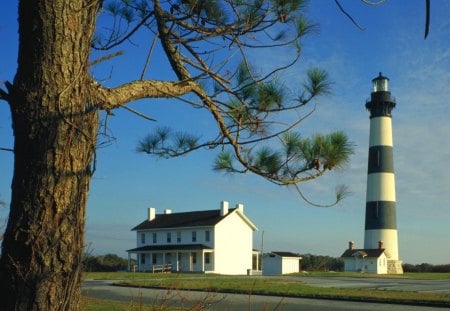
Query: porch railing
x=162 y=268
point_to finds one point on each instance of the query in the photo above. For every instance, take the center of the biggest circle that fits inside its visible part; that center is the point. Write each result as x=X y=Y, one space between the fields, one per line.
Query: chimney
x=240 y=207
x=151 y=213
x=223 y=208
x=351 y=245
x=167 y=211
x=380 y=244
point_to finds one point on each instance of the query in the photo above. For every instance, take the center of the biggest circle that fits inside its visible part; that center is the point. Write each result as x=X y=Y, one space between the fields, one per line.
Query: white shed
x=281 y=263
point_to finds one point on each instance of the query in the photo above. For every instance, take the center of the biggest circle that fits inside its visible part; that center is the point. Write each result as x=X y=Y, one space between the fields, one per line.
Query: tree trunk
x=55 y=136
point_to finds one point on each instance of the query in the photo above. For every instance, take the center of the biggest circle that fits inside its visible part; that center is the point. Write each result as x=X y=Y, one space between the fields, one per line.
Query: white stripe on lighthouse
x=380 y=132
x=389 y=238
x=380 y=187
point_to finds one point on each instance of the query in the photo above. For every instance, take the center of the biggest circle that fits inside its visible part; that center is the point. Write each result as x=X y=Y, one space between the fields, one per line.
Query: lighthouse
x=381 y=220
x=380 y=253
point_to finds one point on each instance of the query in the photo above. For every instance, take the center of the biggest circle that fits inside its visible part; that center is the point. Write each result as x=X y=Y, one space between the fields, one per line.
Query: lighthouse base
x=394 y=267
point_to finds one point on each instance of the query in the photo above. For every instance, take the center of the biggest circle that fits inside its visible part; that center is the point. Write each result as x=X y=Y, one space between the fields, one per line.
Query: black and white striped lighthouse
x=381 y=220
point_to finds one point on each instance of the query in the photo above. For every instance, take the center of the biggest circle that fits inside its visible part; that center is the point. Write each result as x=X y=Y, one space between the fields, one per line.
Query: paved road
x=437 y=286
x=103 y=290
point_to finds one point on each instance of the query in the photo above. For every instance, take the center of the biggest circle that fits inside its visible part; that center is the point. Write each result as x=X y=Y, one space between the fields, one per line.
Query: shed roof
x=286 y=254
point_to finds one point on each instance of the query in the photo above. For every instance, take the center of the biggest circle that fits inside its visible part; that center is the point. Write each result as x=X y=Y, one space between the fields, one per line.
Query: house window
x=178 y=237
x=194 y=258
x=207 y=235
x=194 y=236
x=169 y=237
x=207 y=258
x=142 y=259
x=179 y=257
x=143 y=238
x=154 y=236
x=154 y=259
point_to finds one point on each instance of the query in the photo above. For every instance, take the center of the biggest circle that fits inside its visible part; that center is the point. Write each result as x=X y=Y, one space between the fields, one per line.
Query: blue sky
x=126 y=183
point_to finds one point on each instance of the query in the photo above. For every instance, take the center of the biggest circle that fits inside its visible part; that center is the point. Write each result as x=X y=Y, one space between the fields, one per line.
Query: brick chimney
x=167 y=211
x=151 y=213
x=380 y=244
x=240 y=207
x=351 y=245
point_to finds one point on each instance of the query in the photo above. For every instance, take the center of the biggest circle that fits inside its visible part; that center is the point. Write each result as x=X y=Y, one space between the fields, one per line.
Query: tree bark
x=55 y=131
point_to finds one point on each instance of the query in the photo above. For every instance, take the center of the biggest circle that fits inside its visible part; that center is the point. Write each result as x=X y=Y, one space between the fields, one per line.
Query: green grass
x=408 y=275
x=285 y=287
x=277 y=286
x=146 y=275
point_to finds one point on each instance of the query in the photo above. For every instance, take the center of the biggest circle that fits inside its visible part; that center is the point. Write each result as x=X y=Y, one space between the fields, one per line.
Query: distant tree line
x=105 y=263
x=426 y=267
x=311 y=262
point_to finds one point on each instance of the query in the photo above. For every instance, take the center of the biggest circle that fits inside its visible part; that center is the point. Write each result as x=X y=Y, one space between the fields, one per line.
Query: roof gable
x=245 y=219
x=184 y=219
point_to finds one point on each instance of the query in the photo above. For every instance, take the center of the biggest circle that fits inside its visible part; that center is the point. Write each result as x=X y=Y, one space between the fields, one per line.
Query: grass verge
x=278 y=286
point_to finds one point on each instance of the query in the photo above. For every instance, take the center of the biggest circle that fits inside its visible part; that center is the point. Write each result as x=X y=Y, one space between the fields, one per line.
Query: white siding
x=230 y=240
x=366 y=264
x=289 y=265
x=274 y=264
x=233 y=241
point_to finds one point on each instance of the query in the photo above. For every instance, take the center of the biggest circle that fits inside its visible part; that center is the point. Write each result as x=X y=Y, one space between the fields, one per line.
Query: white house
x=366 y=260
x=280 y=263
x=210 y=241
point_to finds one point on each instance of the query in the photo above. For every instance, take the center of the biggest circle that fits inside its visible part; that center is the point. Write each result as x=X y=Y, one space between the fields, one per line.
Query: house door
x=183 y=262
x=192 y=261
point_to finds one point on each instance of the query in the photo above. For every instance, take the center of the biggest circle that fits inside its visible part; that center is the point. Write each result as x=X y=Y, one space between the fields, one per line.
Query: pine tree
x=56 y=103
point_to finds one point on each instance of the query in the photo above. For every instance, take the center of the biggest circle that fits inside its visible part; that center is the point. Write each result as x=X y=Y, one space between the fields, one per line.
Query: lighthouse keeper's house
x=208 y=241
x=366 y=260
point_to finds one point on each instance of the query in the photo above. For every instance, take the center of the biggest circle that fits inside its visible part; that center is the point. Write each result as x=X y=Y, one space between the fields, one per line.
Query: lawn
x=277 y=286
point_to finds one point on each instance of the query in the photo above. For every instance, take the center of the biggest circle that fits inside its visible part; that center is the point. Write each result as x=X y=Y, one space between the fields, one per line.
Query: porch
x=173 y=258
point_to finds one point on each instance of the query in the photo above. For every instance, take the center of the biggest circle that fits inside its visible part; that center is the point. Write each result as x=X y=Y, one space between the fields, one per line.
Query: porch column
x=203 y=261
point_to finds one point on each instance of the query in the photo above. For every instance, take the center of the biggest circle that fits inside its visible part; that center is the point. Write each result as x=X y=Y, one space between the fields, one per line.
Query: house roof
x=286 y=254
x=376 y=252
x=149 y=248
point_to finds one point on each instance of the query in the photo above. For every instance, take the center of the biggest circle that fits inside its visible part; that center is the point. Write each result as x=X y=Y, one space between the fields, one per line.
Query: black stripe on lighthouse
x=380 y=215
x=381 y=160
